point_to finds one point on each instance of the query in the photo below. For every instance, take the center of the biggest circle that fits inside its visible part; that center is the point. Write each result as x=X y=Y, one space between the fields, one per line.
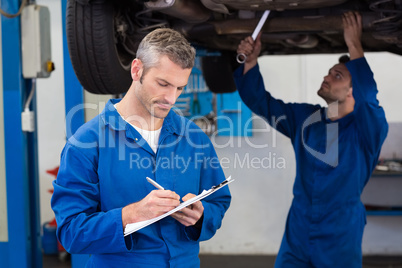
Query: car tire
x=97 y=63
x=218 y=72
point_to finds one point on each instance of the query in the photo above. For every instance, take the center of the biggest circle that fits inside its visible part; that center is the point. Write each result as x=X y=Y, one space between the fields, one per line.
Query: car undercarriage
x=103 y=35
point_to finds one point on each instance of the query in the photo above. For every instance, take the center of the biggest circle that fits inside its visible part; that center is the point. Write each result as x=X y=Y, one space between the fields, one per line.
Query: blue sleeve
x=215 y=205
x=371 y=121
x=81 y=226
x=285 y=117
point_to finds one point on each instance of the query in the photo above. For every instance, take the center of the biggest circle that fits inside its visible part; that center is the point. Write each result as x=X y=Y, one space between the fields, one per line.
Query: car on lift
x=103 y=35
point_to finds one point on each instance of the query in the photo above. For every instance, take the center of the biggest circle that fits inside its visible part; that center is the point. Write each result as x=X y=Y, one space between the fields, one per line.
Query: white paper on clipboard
x=133 y=227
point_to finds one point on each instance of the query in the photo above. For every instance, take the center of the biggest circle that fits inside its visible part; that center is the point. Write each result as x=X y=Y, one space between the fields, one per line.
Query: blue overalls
x=334 y=160
x=104 y=168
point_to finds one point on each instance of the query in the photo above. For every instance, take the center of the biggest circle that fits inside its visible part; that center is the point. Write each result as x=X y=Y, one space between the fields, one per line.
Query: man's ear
x=136 y=69
x=350 y=92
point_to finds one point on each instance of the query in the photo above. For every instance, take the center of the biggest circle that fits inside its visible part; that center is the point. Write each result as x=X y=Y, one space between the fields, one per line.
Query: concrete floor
x=223 y=261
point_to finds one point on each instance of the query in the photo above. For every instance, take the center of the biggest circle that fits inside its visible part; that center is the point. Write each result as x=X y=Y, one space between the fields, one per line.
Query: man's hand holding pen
x=157 y=203
x=189 y=215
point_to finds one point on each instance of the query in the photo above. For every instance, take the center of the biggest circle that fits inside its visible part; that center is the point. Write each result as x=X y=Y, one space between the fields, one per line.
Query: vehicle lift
x=20 y=235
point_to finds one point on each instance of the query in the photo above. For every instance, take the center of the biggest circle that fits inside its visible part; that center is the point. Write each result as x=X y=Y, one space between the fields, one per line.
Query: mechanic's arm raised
x=251 y=49
x=352 y=32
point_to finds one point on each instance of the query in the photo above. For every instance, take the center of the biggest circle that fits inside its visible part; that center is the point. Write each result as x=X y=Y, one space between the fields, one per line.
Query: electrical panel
x=35 y=39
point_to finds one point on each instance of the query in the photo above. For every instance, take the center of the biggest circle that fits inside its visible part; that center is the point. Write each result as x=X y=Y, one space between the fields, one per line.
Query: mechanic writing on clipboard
x=336 y=149
x=101 y=185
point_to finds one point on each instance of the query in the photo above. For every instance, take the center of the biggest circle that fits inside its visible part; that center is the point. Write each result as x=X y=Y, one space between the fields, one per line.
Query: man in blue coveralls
x=336 y=150
x=101 y=185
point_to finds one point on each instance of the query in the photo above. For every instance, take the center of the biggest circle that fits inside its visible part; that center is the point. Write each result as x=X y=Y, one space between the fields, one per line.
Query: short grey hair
x=165 y=41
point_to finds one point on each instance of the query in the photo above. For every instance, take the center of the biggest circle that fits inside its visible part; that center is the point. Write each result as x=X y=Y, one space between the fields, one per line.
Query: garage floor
x=222 y=261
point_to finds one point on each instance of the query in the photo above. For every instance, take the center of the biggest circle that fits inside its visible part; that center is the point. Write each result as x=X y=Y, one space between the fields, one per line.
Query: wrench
x=241 y=57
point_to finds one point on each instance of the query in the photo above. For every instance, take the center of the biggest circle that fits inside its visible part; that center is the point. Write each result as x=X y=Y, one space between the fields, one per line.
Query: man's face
x=336 y=85
x=161 y=86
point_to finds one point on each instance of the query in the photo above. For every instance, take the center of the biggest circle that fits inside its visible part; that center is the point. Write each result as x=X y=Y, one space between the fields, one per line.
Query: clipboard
x=133 y=227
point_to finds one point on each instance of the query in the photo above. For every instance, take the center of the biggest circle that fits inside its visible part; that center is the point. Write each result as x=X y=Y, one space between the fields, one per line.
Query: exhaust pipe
x=187 y=10
x=325 y=24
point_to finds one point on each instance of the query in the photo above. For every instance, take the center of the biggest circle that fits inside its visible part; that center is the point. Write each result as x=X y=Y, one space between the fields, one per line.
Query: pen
x=154 y=183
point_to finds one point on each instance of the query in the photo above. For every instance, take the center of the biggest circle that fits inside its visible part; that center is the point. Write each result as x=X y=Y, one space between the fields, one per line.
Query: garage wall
x=262 y=191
